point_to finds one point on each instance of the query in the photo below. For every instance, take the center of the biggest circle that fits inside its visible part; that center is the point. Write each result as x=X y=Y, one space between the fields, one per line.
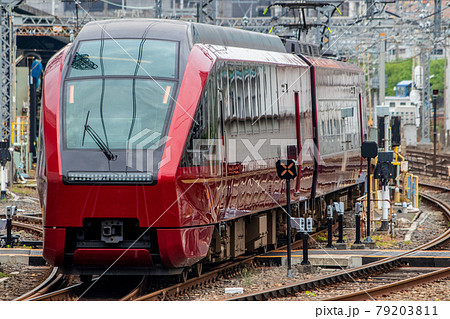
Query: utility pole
x=437 y=19
x=435 y=96
x=425 y=109
x=437 y=34
x=381 y=69
x=447 y=91
x=370 y=8
x=158 y=9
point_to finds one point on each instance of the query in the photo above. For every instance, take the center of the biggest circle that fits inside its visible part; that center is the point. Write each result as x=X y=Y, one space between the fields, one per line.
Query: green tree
x=437 y=68
x=395 y=72
x=402 y=70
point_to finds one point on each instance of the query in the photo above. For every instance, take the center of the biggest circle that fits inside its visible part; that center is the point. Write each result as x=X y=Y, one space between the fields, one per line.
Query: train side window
x=269 y=99
x=276 y=107
x=240 y=98
x=263 y=92
x=256 y=100
x=212 y=106
x=41 y=162
x=213 y=146
x=199 y=131
x=202 y=146
x=222 y=76
x=247 y=93
x=252 y=99
x=233 y=98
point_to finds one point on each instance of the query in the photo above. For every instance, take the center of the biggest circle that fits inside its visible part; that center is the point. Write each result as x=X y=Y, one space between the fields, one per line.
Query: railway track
x=233 y=268
x=57 y=288
x=389 y=287
x=29 y=223
x=51 y=288
x=437 y=188
x=35 y=219
x=350 y=274
x=52 y=282
x=227 y=270
x=36 y=229
x=422 y=162
x=382 y=266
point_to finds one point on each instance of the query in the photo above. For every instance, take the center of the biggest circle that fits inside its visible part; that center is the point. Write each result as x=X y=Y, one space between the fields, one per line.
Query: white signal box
x=404 y=166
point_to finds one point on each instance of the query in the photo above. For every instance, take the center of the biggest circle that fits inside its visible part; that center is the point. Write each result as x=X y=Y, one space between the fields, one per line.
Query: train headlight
x=108 y=178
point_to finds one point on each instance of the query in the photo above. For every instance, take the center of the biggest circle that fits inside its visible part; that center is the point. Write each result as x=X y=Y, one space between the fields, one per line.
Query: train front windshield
x=122 y=89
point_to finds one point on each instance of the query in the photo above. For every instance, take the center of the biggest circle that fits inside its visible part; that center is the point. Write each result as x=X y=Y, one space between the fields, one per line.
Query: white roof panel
x=251 y=55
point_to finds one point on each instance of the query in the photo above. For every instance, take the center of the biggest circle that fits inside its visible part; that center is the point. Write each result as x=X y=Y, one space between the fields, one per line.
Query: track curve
x=350 y=274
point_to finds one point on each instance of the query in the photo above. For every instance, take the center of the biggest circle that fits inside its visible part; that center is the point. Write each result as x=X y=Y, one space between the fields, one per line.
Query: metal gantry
x=43 y=26
x=5 y=66
x=206 y=11
x=351 y=36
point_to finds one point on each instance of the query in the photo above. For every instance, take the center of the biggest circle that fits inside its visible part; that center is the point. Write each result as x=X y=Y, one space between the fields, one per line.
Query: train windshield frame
x=125 y=57
x=129 y=94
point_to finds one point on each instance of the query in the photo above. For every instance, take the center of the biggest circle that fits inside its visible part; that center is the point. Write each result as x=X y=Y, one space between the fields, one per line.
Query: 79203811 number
x=406 y=311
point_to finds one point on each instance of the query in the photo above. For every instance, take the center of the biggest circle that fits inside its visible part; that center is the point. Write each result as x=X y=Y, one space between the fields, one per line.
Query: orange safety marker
x=166 y=95
x=72 y=94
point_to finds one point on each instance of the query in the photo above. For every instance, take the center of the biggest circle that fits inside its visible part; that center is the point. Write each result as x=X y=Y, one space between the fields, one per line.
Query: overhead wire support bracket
x=324 y=9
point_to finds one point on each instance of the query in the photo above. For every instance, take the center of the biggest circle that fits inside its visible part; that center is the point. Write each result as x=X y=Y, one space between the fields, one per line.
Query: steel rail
x=52 y=293
x=437 y=187
x=135 y=292
x=27 y=218
x=59 y=294
x=442 y=204
x=386 y=289
x=349 y=274
x=211 y=276
x=76 y=290
x=37 y=229
x=53 y=279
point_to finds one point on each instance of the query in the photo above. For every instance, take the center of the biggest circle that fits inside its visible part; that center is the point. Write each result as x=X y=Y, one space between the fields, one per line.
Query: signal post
x=286 y=169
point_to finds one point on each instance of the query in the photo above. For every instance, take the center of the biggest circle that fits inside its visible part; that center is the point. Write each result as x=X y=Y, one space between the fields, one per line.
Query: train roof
x=333 y=64
x=175 y=29
x=258 y=56
x=190 y=33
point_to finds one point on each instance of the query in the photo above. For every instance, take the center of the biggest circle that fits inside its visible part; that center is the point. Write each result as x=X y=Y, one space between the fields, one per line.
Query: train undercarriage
x=267 y=230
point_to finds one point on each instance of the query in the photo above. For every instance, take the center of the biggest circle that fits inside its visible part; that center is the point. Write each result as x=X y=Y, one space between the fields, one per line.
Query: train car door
x=306 y=127
x=289 y=104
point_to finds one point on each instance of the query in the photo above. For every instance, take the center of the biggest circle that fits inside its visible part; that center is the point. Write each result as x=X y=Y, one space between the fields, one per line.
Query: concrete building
x=401 y=105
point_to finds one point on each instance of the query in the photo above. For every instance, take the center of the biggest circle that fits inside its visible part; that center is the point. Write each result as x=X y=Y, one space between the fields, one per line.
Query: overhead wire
x=127 y=6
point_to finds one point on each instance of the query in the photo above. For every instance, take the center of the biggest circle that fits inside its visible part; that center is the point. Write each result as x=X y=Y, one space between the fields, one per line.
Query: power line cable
x=126 y=6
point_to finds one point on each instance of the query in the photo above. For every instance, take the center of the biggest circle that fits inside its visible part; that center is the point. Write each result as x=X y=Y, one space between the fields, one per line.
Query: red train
x=159 y=140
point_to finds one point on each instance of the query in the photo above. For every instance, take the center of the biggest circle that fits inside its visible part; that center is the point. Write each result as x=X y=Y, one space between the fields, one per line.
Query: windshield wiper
x=98 y=140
